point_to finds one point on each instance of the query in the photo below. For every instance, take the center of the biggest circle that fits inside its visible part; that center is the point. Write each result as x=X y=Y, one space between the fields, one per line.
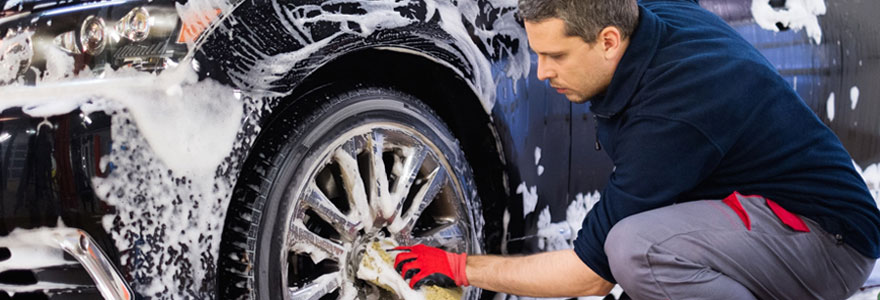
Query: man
x=687 y=110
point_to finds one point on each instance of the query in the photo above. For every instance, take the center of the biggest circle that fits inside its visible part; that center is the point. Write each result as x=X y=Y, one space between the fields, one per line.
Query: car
x=213 y=149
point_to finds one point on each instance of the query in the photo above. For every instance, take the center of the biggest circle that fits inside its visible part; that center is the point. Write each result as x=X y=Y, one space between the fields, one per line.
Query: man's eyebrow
x=551 y=53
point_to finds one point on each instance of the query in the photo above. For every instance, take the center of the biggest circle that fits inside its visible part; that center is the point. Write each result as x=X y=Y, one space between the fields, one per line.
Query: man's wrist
x=458 y=266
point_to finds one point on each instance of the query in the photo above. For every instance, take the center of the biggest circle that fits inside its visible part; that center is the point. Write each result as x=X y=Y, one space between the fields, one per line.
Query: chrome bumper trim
x=81 y=246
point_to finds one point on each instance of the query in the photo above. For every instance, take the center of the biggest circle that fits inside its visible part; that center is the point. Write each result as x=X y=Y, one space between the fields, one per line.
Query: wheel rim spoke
x=319 y=202
x=318 y=288
x=403 y=226
x=302 y=240
x=449 y=236
x=406 y=173
x=354 y=185
x=380 y=199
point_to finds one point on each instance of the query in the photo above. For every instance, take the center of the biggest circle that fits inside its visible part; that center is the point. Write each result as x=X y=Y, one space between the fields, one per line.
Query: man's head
x=579 y=42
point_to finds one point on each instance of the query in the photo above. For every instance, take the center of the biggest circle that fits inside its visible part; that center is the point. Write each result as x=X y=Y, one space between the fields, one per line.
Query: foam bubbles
x=853 y=97
x=829 y=107
x=797 y=15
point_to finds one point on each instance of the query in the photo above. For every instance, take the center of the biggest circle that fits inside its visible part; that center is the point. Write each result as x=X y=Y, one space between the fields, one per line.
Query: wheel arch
x=271 y=57
x=451 y=98
x=440 y=85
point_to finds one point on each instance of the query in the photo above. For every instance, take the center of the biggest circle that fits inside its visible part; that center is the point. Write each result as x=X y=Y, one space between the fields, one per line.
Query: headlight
x=135 y=26
x=144 y=35
x=67 y=42
x=95 y=34
x=91 y=35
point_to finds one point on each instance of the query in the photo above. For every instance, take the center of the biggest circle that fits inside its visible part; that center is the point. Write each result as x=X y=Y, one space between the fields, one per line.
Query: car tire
x=338 y=169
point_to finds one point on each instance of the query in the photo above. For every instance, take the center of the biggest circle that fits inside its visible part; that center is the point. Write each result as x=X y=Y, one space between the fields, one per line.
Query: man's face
x=576 y=69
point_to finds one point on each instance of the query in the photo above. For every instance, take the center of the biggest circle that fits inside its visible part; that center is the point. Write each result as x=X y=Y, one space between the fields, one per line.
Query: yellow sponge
x=377 y=267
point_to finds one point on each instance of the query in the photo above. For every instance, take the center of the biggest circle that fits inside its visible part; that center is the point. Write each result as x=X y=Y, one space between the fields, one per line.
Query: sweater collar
x=642 y=47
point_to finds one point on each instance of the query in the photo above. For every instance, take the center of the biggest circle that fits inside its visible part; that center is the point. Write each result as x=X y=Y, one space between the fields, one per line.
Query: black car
x=213 y=149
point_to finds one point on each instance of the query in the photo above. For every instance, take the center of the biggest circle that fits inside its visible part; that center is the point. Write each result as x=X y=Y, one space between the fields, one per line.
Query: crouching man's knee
x=626 y=247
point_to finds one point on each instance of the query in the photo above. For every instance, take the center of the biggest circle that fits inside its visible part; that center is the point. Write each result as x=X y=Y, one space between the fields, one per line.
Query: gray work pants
x=702 y=250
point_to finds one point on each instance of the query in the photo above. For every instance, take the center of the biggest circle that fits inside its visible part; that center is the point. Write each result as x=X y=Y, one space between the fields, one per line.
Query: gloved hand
x=428 y=265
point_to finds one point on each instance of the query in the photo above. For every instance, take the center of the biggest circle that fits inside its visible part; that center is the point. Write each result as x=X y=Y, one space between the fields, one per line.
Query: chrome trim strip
x=77 y=7
x=81 y=246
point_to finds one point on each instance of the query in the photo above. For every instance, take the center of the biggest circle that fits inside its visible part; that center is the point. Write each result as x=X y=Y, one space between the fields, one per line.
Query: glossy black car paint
x=48 y=163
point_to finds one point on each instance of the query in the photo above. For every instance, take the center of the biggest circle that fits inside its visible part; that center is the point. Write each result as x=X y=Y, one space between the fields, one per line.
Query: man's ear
x=611 y=42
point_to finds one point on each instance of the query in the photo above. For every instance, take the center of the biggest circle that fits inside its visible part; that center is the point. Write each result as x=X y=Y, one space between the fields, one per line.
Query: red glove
x=428 y=265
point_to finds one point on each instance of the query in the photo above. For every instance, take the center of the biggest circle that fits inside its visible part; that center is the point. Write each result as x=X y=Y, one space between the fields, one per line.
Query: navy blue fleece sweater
x=695 y=112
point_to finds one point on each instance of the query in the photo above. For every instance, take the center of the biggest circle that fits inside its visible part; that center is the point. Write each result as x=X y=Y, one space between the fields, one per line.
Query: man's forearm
x=551 y=274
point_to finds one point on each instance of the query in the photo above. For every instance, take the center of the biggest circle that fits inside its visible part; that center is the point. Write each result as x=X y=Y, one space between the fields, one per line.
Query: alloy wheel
x=374 y=181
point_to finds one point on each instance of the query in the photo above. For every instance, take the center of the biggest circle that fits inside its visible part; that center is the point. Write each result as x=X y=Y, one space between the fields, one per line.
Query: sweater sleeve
x=656 y=160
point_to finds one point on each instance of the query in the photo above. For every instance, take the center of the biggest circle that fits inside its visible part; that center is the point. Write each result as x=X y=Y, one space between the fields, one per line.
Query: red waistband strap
x=791 y=220
x=732 y=200
x=788 y=218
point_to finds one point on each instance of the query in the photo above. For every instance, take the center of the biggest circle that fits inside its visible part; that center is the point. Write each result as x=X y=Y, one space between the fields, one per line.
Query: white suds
x=538 y=160
x=553 y=236
x=577 y=210
x=192 y=132
x=451 y=21
x=519 y=64
x=561 y=235
x=18 y=48
x=853 y=97
x=537 y=155
x=33 y=257
x=530 y=197
x=12 y=289
x=829 y=106
x=35 y=248
x=348 y=166
x=10 y=4
x=172 y=135
x=797 y=15
x=166 y=224
x=264 y=73
x=59 y=65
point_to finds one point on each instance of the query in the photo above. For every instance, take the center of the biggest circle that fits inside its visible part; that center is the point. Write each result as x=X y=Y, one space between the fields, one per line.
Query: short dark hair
x=584 y=18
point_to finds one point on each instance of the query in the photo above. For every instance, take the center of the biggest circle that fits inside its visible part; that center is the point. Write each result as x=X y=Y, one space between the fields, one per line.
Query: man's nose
x=544 y=72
